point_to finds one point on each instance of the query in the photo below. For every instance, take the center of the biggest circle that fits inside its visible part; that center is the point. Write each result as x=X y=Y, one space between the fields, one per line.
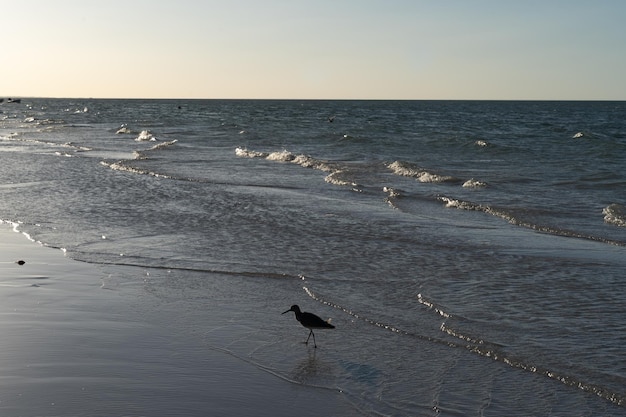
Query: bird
x=310 y=321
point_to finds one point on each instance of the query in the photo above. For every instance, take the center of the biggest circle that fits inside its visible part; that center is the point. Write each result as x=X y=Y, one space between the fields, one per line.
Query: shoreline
x=72 y=347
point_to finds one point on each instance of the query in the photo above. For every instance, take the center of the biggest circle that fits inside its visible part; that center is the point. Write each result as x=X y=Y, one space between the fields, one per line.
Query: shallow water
x=469 y=253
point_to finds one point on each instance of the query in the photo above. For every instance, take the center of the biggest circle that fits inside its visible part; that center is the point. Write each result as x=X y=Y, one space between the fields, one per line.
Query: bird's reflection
x=309 y=369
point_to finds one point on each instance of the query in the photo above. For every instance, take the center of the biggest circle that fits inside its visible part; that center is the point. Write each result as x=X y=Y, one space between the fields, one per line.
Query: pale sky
x=316 y=49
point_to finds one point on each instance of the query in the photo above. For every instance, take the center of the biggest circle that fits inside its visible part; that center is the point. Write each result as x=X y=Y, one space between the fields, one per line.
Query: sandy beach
x=72 y=346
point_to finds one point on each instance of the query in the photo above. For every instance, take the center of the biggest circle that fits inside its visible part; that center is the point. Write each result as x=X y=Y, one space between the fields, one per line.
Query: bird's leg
x=314 y=344
x=307 y=339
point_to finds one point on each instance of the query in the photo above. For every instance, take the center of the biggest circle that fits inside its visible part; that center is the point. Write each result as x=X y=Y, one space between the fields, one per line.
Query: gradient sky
x=334 y=49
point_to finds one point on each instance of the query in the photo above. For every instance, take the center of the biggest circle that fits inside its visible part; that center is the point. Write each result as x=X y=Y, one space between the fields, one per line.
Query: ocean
x=471 y=254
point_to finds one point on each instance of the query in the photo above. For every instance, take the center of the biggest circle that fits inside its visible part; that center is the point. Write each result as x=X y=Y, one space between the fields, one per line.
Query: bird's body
x=310 y=321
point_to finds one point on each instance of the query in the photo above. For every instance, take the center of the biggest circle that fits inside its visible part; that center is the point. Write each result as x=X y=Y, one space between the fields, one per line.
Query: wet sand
x=70 y=346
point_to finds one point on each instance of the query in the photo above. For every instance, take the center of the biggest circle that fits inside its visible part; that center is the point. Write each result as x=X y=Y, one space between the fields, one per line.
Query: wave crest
x=335 y=179
x=245 y=153
x=163 y=145
x=472 y=183
x=336 y=175
x=282 y=156
x=619 y=219
x=406 y=169
x=145 y=136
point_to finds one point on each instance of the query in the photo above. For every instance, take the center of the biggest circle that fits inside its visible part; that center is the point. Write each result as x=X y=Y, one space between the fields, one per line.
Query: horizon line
x=309 y=99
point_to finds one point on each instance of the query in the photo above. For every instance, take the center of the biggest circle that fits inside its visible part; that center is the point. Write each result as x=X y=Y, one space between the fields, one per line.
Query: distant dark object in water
x=310 y=321
x=20 y=262
x=331 y=119
x=14 y=100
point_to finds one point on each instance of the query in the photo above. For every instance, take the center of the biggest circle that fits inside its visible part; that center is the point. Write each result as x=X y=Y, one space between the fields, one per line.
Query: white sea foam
x=460 y=204
x=432 y=306
x=281 y=156
x=245 y=153
x=336 y=176
x=78 y=148
x=409 y=170
x=472 y=183
x=392 y=195
x=335 y=179
x=163 y=145
x=120 y=166
x=145 y=136
x=392 y=192
x=468 y=205
x=615 y=214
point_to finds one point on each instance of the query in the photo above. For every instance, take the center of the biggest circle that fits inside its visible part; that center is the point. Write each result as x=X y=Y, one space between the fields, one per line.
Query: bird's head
x=293 y=308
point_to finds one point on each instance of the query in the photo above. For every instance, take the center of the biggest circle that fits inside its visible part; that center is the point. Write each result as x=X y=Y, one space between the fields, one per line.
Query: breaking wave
x=145 y=136
x=512 y=219
x=123 y=130
x=472 y=183
x=336 y=176
x=406 y=169
x=124 y=166
x=163 y=145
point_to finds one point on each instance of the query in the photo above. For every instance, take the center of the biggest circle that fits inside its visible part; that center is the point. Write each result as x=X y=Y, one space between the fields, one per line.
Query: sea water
x=471 y=254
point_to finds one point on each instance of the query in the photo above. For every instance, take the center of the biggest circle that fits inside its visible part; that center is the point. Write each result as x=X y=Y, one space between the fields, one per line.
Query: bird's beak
x=287 y=311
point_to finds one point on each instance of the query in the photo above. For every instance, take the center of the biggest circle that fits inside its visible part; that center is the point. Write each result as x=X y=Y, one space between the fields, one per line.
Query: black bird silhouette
x=310 y=321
